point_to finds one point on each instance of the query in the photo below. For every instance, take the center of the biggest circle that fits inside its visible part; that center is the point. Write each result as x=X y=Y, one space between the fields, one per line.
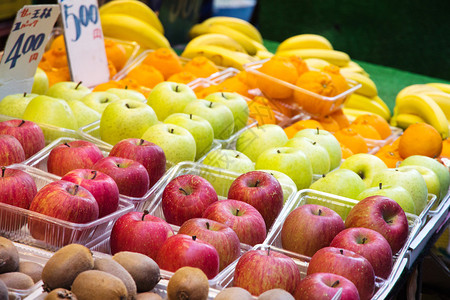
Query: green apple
x=326 y=140
x=177 y=143
x=431 y=179
x=317 y=155
x=217 y=114
x=408 y=178
x=14 y=105
x=99 y=100
x=341 y=182
x=83 y=113
x=236 y=103
x=68 y=90
x=127 y=94
x=230 y=160
x=124 y=119
x=167 y=98
x=200 y=129
x=40 y=83
x=255 y=140
x=441 y=171
x=287 y=184
x=291 y=161
x=397 y=193
x=365 y=165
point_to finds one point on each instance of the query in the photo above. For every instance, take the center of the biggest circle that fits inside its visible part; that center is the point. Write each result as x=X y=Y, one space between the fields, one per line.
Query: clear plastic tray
x=55 y=232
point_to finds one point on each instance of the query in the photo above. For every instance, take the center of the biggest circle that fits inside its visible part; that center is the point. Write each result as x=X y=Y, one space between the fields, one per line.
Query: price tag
x=83 y=36
x=25 y=47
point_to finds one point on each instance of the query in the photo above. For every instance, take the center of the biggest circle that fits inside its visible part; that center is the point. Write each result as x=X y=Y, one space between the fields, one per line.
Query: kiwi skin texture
x=17 y=280
x=188 y=283
x=112 y=267
x=3 y=291
x=232 y=293
x=148 y=296
x=276 y=294
x=58 y=294
x=98 y=285
x=32 y=269
x=9 y=256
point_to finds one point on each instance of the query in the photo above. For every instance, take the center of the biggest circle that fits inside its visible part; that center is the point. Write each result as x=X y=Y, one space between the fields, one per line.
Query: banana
x=216 y=39
x=258 y=45
x=133 y=8
x=237 y=24
x=239 y=37
x=305 y=41
x=442 y=86
x=220 y=56
x=416 y=89
x=353 y=113
x=353 y=67
x=368 y=87
x=334 y=57
x=316 y=63
x=424 y=107
x=363 y=103
x=404 y=120
x=382 y=103
x=262 y=54
x=124 y=27
x=443 y=100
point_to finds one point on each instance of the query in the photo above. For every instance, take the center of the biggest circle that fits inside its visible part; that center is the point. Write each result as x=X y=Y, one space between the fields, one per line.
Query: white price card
x=25 y=47
x=85 y=46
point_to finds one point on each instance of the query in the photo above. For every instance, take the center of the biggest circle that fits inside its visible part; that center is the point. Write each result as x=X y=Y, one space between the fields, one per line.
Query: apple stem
x=141 y=142
x=94 y=174
x=79 y=83
x=335 y=283
x=25 y=94
x=127 y=105
x=75 y=189
x=237 y=156
x=21 y=123
x=256 y=183
x=320 y=212
x=146 y=212
x=314 y=142
x=3 y=171
x=380 y=185
x=190 y=116
x=181 y=189
x=364 y=240
x=126 y=87
x=207 y=225
x=268 y=251
x=171 y=130
x=210 y=104
x=278 y=151
x=342 y=251
x=176 y=89
x=106 y=100
x=67 y=144
x=194 y=237
x=237 y=211
x=323 y=175
x=317 y=130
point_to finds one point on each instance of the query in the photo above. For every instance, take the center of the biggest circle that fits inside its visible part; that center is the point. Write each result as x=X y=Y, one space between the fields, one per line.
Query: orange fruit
x=420 y=139
x=202 y=92
x=146 y=75
x=261 y=112
x=182 y=77
x=346 y=152
x=112 y=69
x=201 y=67
x=279 y=69
x=299 y=64
x=290 y=131
x=310 y=123
x=57 y=75
x=390 y=155
x=445 y=148
x=107 y=85
x=340 y=118
x=339 y=81
x=366 y=130
x=116 y=53
x=235 y=84
x=165 y=60
x=378 y=122
x=352 y=140
x=58 y=42
x=329 y=124
x=248 y=78
x=56 y=58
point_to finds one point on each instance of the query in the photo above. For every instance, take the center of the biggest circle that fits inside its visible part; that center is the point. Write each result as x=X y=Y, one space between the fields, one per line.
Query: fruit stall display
x=223 y=172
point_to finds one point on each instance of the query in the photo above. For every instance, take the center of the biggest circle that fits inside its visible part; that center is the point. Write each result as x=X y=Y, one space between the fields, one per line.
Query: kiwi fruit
x=65 y=265
x=276 y=294
x=32 y=269
x=98 y=285
x=112 y=267
x=17 y=280
x=3 y=291
x=144 y=270
x=232 y=293
x=148 y=296
x=188 y=283
x=9 y=256
x=58 y=294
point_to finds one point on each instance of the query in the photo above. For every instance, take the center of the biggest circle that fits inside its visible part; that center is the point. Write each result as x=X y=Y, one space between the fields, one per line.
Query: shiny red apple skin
x=11 y=151
x=28 y=133
x=323 y=286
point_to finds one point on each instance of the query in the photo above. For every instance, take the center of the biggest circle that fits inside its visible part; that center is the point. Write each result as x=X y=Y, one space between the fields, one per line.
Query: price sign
x=25 y=47
x=83 y=36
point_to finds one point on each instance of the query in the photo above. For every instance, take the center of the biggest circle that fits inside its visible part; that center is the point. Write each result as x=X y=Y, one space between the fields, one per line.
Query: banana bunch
x=429 y=103
x=133 y=20
x=228 y=41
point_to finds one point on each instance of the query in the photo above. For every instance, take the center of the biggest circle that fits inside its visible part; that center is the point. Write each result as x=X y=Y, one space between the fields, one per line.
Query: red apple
x=11 y=151
x=243 y=218
x=309 y=228
x=73 y=155
x=150 y=155
x=139 y=232
x=258 y=271
x=17 y=188
x=186 y=197
x=102 y=187
x=182 y=250
x=381 y=214
x=222 y=237
x=323 y=286
x=131 y=176
x=28 y=133
x=262 y=191
x=348 y=264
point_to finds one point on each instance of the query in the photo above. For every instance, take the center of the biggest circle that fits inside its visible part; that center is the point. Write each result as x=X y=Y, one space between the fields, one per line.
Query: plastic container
x=52 y=233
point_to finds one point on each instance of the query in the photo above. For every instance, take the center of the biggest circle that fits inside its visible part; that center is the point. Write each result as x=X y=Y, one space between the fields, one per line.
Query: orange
x=340 y=118
x=58 y=42
x=182 y=77
x=390 y=155
x=57 y=57
x=339 y=81
x=299 y=64
x=366 y=130
x=57 y=75
x=346 y=152
x=420 y=139
x=248 y=78
x=275 y=73
x=108 y=85
x=329 y=124
x=165 y=60
x=201 y=67
x=116 y=53
x=261 y=112
x=146 y=75
x=202 y=92
x=378 y=122
x=290 y=131
x=446 y=148
x=112 y=69
x=352 y=140
x=235 y=84
x=310 y=123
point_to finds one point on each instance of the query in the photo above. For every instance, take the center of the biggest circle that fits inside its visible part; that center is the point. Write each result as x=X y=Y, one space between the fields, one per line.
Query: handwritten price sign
x=25 y=47
x=84 y=41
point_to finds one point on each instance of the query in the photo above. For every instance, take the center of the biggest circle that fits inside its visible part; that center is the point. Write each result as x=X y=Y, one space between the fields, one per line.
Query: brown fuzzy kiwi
x=17 y=280
x=9 y=256
x=65 y=265
x=32 y=269
x=98 y=285
x=112 y=267
x=144 y=270
x=232 y=293
x=276 y=294
x=3 y=291
x=188 y=283
x=60 y=294
x=148 y=296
